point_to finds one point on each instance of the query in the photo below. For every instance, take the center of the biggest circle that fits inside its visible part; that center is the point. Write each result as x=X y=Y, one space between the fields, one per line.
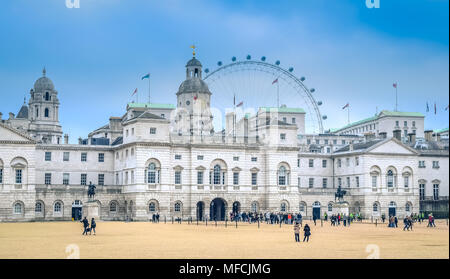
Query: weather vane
x=193 y=50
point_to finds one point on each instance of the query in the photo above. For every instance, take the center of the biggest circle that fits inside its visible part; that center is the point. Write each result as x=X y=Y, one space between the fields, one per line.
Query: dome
x=42 y=84
x=193 y=63
x=193 y=85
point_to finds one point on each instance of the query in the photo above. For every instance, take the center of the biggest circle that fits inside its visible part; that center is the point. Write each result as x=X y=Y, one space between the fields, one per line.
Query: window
x=48 y=156
x=101 y=157
x=301 y=207
x=101 y=179
x=216 y=175
x=57 y=207
x=283 y=207
x=17 y=208
x=282 y=136
x=421 y=164
x=326 y=141
x=235 y=178
x=375 y=207
x=284 y=120
x=83 y=178
x=343 y=141
x=38 y=207
x=406 y=181
x=177 y=207
x=374 y=181
x=46 y=112
x=390 y=179
x=308 y=141
x=132 y=151
x=117 y=178
x=435 y=164
x=254 y=207
x=324 y=163
x=235 y=158
x=422 y=191
x=113 y=207
x=66 y=156
x=334 y=141
x=405 y=123
x=19 y=176
x=339 y=163
x=311 y=183
x=177 y=157
x=311 y=163
x=83 y=157
x=330 y=207
x=317 y=141
x=340 y=182
x=127 y=133
x=254 y=159
x=48 y=179
x=132 y=131
x=298 y=163
x=293 y=120
x=324 y=182
x=200 y=157
x=151 y=175
x=356 y=161
x=435 y=192
x=396 y=124
x=152 y=207
x=178 y=177
x=132 y=177
x=1 y=176
x=254 y=178
x=348 y=182
x=299 y=180
x=200 y=177
x=357 y=181
x=152 y=131
x=65 y=178
x=408 y=207
x=282 y=176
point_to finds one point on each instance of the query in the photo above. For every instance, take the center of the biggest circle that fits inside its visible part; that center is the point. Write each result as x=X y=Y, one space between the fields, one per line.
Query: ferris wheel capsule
x=206 y=70
x=249 y=57
x=263 y=58
x=312 y=90
x=324 y=117
x=233 y=59
x=319 y=103
x=291 y=69
x=302 y=78
x=219 y=63
x=277 y=63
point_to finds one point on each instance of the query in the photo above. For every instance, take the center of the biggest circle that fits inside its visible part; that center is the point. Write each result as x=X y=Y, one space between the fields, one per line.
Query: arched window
x=17 y=208
x=302 y=207
x=330 y=207
x=390 y=179
x=283 y=207
x=216 y=175
x=255 y=206
x=151 y=178
x=113 y=207
x=392 y=204
x=375 y=207
x=177 y=206
x=408 y=207
x=152 y=207
x=38 y=207
x=316 y=204
x=282 y=176
x=46 y=112
x=47 y=96
x=57 y=207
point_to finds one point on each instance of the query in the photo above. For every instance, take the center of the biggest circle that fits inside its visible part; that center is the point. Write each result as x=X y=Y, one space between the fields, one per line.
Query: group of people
x=88 y=229
x=336 y=219
x=268 y=217
x=408 y=221
x=306 y=230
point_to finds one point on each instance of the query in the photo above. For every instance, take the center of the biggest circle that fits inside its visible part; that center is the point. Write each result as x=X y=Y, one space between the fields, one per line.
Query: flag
x=435 y=111
x=275 y=81
x=135 y=91
x=346 y=106
x=395 y=85
x=428 y=107
x=146 y=76
x=446 y=108
x=240 y=104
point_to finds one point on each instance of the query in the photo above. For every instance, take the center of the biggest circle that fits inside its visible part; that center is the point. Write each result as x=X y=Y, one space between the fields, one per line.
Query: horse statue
x=339 y=195
x=91 y=191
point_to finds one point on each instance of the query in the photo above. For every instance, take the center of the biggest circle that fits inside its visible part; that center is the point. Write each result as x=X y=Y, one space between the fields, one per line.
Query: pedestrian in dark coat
x=93 y=225
x=307 y=231
x=85 y=225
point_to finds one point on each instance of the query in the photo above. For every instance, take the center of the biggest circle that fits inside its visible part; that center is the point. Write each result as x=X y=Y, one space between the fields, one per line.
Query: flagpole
x=396 y=97
x=149 y=89
x=278 y=94
x=348 y=114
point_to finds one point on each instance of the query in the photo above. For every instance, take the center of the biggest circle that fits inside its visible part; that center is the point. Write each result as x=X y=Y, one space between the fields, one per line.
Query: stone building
x=168 y=159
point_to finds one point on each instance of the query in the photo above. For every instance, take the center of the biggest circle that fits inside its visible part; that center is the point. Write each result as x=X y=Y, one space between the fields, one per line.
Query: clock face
x=188 y=103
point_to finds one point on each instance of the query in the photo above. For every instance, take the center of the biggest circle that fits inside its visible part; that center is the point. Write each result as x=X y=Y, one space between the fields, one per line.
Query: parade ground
x=59 y=240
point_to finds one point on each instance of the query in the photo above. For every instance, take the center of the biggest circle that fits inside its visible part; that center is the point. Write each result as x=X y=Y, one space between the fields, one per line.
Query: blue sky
x=96 y=54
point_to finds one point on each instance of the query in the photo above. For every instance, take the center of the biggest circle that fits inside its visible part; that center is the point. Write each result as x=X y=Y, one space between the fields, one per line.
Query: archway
x=77 y=210
x=316 y=210
x=392 y=209
x=217 y=209
x=200 y=210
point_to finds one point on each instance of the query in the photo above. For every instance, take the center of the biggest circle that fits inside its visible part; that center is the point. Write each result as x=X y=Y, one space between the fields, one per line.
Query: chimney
x=412 y=138
x=80 y=141
x=66 y=139
x=382 y=135
x=397 y=134
x=11 y=115
x=1 y=116
x=428 y=135
x=245 y=129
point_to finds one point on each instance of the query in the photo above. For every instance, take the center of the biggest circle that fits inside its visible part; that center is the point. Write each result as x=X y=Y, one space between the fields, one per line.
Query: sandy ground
x=147 y=240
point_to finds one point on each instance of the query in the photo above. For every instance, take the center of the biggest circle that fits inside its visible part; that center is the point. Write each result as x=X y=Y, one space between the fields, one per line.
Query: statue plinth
x=91 y=210
x=340 y=208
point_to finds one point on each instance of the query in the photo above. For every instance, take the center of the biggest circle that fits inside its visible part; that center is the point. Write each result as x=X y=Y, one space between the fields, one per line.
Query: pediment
x=8 y=134
x=392 y=147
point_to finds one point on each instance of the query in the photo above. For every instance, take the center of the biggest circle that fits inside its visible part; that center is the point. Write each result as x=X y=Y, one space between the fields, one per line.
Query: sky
x=96 y=54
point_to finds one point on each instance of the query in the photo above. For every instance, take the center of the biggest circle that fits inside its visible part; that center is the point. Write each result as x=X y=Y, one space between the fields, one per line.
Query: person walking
x=297 y=232
x=307 y=233
x=85 y=225
x=93 y=225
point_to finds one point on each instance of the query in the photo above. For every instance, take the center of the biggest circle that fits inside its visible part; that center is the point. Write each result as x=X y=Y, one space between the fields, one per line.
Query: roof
x=381 y=114
x=283 y=109
x=23 y=113
x=193 y=62
x=441 y=131
x=150 y=105
x=359 y=146
x=117 y=141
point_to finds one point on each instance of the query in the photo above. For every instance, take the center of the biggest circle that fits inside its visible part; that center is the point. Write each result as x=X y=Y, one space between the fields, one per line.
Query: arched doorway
x=316 y=210
x=236 y=207
x=200 y=210
x=392 y=208
x=77 y=210
x=217 y=209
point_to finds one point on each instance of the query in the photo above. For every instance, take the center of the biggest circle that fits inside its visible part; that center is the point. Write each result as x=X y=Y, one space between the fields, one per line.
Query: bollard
x=321 y=222
x=197 y=221
x=215 y=221
x=172 y=219
x=164 y=219
x=206 y=221
x=236 y=222
x=226 y=220
x=376 y=222
x=258 y=223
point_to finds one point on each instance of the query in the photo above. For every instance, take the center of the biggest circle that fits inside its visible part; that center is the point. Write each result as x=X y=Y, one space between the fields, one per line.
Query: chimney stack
x=412 y=138
x=397 y=134
x=66 y=139
x=428 y=135
x=80 y=141
x=382 y=135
